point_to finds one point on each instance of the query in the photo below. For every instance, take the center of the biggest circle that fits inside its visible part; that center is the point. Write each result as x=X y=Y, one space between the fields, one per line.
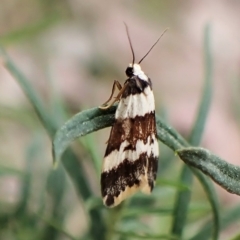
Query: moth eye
x=129 y=71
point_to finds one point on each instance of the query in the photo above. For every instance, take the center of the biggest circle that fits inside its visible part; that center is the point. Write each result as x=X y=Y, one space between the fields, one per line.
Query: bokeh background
x=72 y=50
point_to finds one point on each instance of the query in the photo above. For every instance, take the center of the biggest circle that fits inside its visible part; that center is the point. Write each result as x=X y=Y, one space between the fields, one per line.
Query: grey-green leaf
x=94 y=119
x=225 y=174
x=79 y=125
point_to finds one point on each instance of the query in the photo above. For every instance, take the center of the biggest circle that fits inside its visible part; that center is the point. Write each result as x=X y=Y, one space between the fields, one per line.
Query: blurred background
x=71 y=51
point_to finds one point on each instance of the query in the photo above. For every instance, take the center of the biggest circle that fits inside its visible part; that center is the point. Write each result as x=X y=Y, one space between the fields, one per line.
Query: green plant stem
x=113 y=218
x=183 y=197
x=228 y=217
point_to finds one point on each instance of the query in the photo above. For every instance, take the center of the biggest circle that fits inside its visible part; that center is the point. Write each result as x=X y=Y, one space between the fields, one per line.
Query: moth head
x=133 y=70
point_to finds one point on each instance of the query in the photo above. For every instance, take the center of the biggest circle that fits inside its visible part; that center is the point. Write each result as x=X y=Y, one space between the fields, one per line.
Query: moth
x=131 y=158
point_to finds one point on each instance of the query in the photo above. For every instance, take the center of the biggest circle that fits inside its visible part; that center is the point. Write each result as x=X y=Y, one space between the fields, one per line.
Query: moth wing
x=131 y=158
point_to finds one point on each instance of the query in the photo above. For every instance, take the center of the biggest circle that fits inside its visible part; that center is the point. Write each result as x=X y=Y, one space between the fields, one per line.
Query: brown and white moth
x=131 y=158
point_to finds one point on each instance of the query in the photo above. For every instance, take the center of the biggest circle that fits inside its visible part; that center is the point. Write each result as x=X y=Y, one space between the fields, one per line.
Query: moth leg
x=105 y=105
x=117 y=98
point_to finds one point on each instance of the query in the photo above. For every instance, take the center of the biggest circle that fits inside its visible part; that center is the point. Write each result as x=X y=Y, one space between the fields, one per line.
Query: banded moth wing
x=131 y=158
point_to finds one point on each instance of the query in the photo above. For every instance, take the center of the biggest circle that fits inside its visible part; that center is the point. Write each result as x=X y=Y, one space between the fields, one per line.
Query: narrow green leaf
x=58 y=227
x=137 y=212
x=5 y=170
x=225 y=174
x=89 y=143
x=30 y=93
x=56 y=185
x=30 y=30
x=169 y=136
x=228 y=217
x=183 y=197
x=198 y=129
x=182 y=202
x=235 y=99
x=22 y=116
x=31 y=152
x=167 y=159
x=174 y=184
x=133 y=235
x=94 y=119
x=78 y=176
x=213 y=200
x=113 y=220
x=237 y=237
x=79 y=125
x=70 y=160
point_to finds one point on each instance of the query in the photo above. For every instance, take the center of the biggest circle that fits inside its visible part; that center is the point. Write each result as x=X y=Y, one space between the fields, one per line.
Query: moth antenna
x=129 y=39
x=153 y=46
